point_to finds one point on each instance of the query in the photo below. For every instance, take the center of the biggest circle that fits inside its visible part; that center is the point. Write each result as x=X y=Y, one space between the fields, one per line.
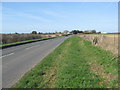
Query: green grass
x=73 y=64
x=23 y=41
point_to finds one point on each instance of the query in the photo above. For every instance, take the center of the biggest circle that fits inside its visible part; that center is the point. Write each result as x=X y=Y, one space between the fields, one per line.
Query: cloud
x=31 y=16
x=51 y=13
x=8 y=12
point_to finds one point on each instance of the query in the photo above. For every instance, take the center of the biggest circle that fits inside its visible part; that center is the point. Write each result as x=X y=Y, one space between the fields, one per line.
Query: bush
x=34 y=32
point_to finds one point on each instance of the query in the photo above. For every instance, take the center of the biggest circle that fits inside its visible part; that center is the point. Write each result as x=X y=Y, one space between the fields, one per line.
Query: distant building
x=104 y=32
x=66 y=32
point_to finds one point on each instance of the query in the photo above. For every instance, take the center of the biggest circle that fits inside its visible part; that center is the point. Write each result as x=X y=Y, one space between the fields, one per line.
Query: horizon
x=25 y=17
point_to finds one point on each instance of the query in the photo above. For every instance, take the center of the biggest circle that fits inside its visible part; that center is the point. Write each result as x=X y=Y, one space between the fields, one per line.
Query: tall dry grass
x=107 y=42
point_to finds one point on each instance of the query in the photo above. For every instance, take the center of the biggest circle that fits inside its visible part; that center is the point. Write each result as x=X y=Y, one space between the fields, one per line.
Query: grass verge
x=74 y=64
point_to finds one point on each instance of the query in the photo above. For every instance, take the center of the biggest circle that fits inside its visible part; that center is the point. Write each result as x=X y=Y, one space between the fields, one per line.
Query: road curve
x=16 y=61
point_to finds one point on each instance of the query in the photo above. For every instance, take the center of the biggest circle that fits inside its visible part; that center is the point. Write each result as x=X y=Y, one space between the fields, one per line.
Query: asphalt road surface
x=16 y=61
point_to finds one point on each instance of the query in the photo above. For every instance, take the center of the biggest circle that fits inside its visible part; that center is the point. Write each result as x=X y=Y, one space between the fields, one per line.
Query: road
x=16 y=61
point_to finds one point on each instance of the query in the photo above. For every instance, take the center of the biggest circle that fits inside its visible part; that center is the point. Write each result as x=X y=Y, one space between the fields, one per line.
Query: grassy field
x=74 y=64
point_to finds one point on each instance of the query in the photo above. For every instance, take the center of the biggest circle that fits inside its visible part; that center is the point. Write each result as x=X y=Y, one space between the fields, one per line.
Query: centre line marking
x=32 y=46
x=6 y=55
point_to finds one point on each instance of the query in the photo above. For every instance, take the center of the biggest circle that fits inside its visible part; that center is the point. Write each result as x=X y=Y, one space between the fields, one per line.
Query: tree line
x=85 y=32
x=72 y=32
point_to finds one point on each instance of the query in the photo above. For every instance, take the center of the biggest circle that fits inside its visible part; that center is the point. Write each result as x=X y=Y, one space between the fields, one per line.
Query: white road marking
x=6 y=55
x=28 y=48
x=32 y=47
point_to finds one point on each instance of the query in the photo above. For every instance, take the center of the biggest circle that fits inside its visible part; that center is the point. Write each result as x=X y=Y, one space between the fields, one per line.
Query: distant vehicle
x=66 y=35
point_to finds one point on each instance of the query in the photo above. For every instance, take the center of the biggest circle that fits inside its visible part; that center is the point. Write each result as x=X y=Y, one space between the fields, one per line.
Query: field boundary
x=23 y=42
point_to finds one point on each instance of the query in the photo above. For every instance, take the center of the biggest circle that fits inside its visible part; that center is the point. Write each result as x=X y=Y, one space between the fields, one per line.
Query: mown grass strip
x=1 y=45
x=74 y=64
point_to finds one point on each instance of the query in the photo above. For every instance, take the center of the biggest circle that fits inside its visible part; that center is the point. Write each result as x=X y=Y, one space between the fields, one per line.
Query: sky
x=25 y=17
